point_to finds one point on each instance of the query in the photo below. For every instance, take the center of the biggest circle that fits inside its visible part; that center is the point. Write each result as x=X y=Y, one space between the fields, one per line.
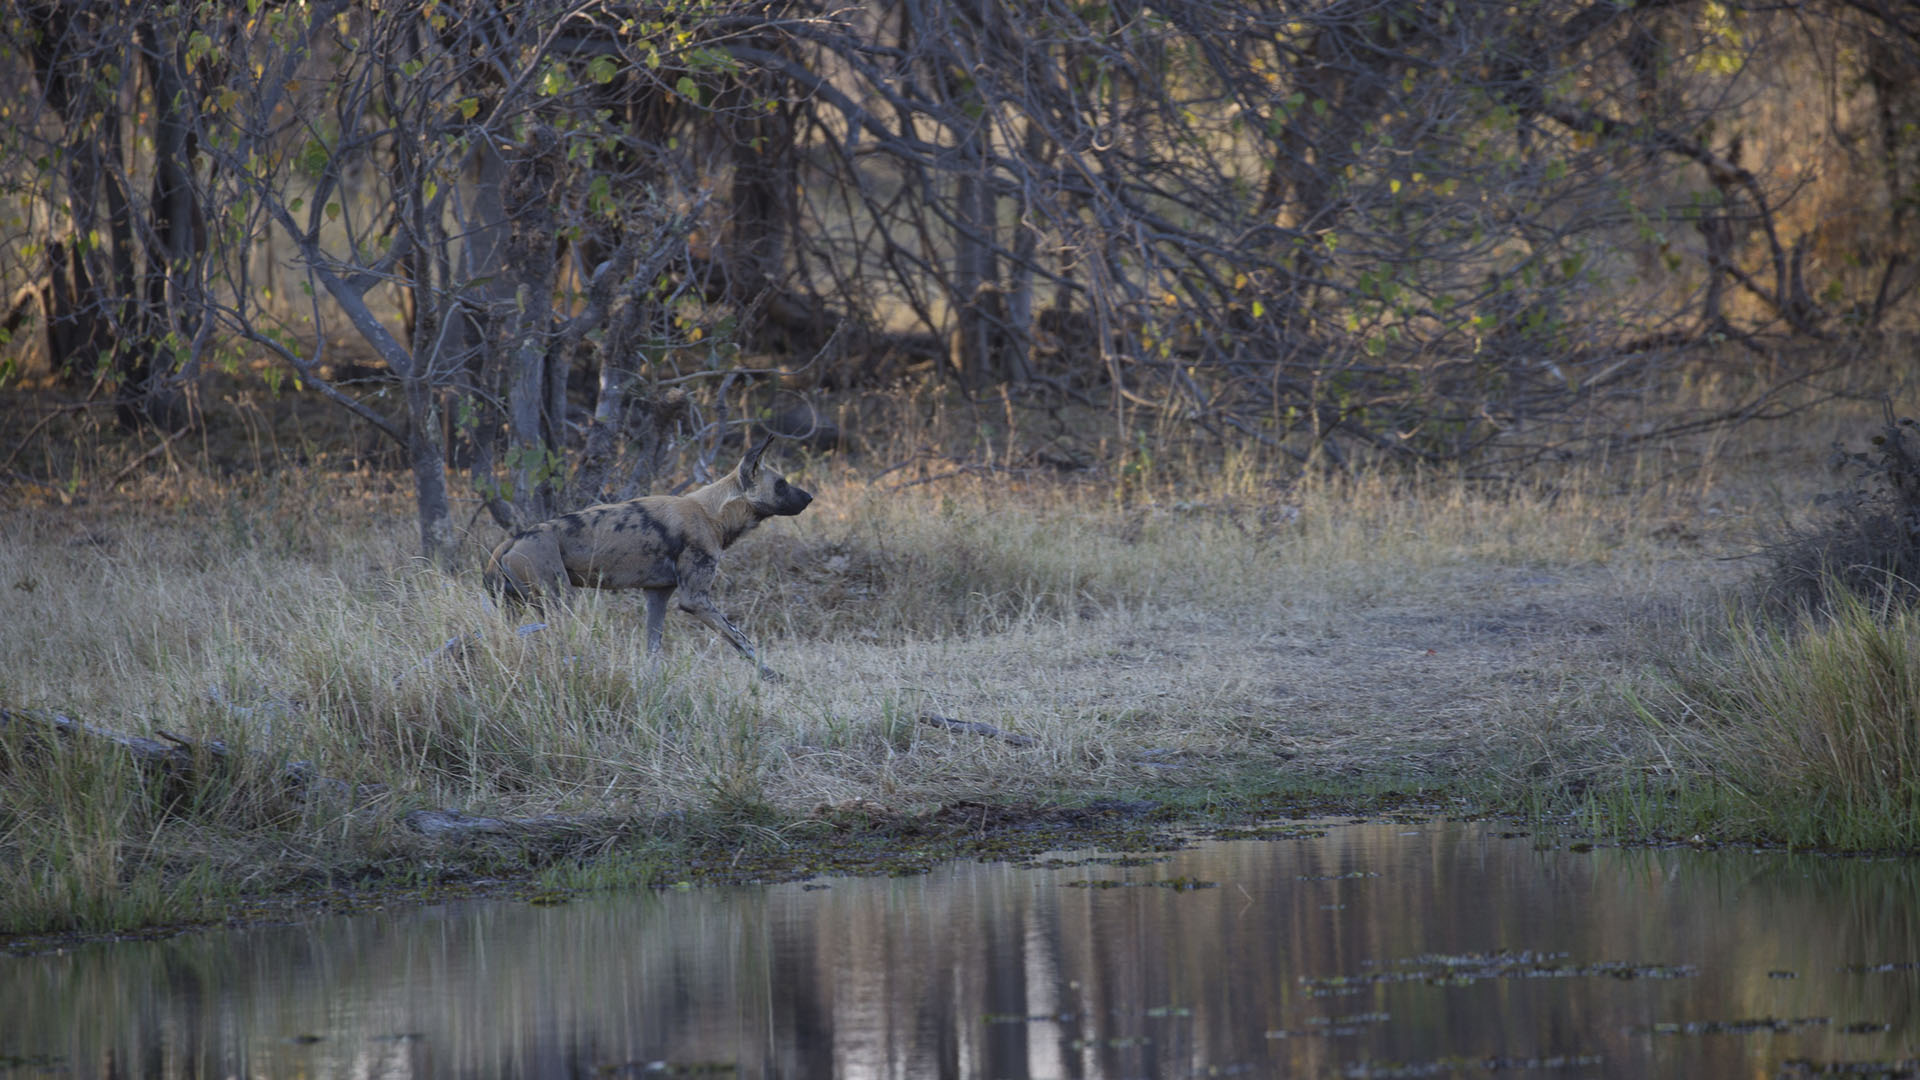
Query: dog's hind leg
x=656 y=618
x=528 y=571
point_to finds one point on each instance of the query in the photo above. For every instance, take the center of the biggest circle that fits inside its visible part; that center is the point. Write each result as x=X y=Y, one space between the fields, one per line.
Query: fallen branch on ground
x=456 y=649
x=180 y=765
x=975 y=727
x=128 y=468
x=450 y=824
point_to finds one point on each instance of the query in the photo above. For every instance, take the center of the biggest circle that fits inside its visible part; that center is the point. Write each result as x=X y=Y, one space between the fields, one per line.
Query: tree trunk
x=649 y=424
x=485 y=287
x=428 y=462
x=763 y=210
x=1020 y=306
x=979 y=308
x=103 y=306
x=534 y=435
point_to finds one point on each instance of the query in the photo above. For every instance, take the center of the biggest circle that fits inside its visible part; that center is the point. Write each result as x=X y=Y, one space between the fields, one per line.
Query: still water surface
x=1436 y=949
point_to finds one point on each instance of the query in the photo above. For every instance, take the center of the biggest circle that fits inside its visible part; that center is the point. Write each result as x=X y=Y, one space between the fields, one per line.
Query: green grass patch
x=1807 y=734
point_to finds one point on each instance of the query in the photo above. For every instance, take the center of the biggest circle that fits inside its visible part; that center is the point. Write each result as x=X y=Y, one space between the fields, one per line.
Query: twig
x=456 y=648
x=31 y=432
x=144 y=458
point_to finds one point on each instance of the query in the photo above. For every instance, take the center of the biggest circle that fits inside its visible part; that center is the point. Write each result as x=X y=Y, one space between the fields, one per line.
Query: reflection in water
x=1374 y=950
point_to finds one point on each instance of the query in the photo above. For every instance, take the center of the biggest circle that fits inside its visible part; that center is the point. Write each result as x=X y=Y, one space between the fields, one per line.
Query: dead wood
x=546 y=829
x=152 y=452
x=181 y=765
x=975 y=727
x=457 y=649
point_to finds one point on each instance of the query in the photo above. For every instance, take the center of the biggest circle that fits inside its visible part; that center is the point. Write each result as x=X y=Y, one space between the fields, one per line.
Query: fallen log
x=180 y=765
x=450 y=824
x=975 y=727
x=144 y=750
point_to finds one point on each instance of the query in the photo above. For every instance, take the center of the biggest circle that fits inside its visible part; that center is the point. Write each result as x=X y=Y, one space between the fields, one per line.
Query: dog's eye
x=780 y=488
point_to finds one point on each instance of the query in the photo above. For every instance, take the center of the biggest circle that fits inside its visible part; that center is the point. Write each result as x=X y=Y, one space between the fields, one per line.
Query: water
x=1414 y=950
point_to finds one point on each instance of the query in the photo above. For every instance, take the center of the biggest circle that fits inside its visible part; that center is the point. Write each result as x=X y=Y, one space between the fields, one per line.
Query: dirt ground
x=1375 y=671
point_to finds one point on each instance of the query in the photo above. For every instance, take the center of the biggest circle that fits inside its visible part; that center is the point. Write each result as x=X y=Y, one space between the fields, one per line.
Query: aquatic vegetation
x=1176 y=884
x=1768 y=1024
x=1443 y=1066
x=1892 y=1069
x=1465 y=969
x=1350 y=875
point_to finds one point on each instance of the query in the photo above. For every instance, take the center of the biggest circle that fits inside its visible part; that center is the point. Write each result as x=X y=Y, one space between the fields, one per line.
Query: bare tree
x=1412 y=227
x=571 y=231
x=122 y=236
x=445 y=158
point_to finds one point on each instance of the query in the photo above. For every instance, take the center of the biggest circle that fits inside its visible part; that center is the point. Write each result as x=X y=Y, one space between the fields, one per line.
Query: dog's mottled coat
x=659 y=543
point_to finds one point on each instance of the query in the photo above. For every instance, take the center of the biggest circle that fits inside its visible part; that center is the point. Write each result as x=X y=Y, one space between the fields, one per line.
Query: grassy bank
x=1198 y=644
x=1805 y=733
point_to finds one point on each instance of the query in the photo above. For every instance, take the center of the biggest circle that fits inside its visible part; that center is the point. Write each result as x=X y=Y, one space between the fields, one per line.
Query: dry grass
x=1146 y=635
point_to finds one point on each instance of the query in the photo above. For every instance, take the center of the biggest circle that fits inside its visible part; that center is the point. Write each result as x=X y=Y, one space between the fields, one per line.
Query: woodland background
x=550 y=252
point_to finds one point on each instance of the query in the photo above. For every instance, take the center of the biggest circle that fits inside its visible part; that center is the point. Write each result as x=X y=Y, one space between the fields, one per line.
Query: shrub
x=1869 y=546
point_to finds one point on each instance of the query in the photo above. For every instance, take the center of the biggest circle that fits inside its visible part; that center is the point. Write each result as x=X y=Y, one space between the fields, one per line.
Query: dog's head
x=766 y=490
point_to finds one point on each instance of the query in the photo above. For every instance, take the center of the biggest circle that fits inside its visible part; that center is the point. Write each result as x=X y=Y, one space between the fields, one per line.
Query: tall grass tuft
x=1814 y=728
x=75 y=845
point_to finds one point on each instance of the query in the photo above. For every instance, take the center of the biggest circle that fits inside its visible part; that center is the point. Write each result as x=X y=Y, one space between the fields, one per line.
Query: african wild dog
x=656 y=542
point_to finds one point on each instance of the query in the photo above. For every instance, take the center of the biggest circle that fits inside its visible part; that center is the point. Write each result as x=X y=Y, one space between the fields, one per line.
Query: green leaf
x=199 y=45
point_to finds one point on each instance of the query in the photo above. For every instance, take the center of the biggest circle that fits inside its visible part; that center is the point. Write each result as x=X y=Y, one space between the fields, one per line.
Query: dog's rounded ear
x=750 y=464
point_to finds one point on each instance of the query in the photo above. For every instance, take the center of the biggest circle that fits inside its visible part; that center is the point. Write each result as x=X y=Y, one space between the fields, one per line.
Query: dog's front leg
x=701 y=607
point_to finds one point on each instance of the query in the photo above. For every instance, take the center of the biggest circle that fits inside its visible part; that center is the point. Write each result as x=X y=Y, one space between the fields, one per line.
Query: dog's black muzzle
x=794 y=501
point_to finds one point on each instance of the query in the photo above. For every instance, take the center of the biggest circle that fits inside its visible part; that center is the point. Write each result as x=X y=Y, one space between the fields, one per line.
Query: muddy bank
x=838 y=841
